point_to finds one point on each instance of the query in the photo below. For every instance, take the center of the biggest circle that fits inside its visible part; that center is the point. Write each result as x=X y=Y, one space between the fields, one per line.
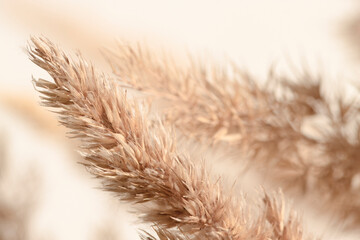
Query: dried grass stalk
x=226 y=105
x=140 y=163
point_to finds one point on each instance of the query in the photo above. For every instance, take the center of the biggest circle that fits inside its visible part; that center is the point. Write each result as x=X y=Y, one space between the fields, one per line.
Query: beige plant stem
x=226 y=105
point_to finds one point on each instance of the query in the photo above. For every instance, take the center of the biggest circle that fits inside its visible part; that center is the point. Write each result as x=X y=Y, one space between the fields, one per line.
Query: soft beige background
x=254 y=33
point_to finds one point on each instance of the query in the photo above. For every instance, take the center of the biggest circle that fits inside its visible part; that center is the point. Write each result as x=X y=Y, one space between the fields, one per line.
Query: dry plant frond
x=137 y=162
x=226 y=105
x=163 y=234
x=283 y=228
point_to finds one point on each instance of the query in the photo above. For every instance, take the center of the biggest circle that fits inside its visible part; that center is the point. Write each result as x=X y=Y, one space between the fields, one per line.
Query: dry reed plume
x=140 y=163
x=226 y=105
